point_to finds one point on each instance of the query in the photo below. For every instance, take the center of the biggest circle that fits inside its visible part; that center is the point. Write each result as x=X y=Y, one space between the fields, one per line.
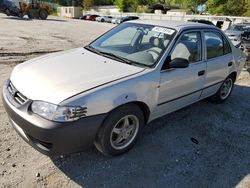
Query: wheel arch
x=234 y=75
x=142 y=106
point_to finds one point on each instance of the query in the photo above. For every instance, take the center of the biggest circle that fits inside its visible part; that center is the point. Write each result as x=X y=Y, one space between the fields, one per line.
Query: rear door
x=219 y=61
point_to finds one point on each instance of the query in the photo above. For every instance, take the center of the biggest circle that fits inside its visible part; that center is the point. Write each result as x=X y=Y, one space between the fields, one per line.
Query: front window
x=188 y=47
x=136 y=44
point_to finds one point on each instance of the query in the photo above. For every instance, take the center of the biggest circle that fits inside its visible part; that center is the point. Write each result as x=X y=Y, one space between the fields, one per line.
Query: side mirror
x=178 y=63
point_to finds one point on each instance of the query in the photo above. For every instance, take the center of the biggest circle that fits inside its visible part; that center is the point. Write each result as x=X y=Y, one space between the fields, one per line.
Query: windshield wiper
x=92 y=49
x=116 y=57
x=113 y=56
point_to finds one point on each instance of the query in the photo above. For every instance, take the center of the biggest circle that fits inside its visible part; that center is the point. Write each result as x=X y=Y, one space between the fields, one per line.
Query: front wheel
x=20 y=15
x=120 y=130
x=225 y=90
x=43 y=14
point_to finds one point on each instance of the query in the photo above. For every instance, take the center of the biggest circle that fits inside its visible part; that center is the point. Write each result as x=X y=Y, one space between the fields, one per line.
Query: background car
x=104 y=19
x=235 y=31
x=115 y=20
x=84 y=17
x=202 y=21
x=92 y=17
x=127 y=18
x=9 y=8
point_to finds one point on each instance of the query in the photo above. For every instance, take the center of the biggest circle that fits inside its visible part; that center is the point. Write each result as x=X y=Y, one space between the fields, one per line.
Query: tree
x=87 y=4
x=103 y=2
x=226 y=7
x=124 y=5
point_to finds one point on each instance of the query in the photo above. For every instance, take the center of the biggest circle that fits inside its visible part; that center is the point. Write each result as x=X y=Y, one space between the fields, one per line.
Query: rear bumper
x=48 y=137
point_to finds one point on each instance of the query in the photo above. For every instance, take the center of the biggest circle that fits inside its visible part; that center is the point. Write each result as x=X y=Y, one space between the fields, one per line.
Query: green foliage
x=125 y=5
x=226 y=7
x=103 y=2
x=87 y=4
x=220 y=7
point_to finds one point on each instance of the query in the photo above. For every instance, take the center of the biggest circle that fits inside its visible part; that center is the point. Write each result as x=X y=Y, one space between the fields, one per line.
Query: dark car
x=91 y=17
x=84 y=17
x=128 y=18
x=202 y=21
x=9 y=8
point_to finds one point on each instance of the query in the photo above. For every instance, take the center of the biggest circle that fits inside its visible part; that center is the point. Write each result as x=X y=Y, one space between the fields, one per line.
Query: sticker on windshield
x=163 y=30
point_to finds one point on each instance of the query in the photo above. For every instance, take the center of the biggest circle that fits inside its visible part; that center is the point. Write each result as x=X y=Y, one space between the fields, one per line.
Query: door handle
x=230 y=64
x=200 y=73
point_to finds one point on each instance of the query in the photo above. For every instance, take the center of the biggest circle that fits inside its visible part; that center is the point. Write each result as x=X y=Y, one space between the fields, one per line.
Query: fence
x=148 y=16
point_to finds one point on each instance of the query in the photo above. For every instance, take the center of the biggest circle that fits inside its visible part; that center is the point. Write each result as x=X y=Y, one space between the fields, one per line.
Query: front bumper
x=48 y=137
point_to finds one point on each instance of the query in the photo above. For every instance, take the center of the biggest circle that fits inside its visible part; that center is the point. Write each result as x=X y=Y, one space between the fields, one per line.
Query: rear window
x=216 y=45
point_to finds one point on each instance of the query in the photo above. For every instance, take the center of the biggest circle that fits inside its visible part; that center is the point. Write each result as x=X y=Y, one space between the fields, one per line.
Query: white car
x=115 y=20
x=106 y=92
x=104 y=19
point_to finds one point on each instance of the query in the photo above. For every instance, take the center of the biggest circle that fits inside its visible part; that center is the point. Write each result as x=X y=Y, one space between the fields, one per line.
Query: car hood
x=56 y=77
x=232 y=32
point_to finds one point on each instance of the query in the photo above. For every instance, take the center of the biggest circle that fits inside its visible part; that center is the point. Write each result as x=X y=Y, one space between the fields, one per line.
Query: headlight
x=57 y=113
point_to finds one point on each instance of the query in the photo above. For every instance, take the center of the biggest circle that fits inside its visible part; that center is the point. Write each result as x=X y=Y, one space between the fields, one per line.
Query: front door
x=182 y=86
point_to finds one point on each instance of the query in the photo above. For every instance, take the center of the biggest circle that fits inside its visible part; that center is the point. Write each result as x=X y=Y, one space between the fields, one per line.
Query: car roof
x=178 y=25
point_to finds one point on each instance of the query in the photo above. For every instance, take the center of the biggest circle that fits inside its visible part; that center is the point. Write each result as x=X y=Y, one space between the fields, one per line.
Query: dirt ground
x=203 y=145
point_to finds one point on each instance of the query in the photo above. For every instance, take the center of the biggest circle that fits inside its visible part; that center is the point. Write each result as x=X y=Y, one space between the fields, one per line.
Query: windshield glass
x=137 y=44
x=238 y=27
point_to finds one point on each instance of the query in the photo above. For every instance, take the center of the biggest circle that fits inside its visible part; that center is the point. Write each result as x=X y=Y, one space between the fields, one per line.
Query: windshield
x=137 y=44
x=238 y=27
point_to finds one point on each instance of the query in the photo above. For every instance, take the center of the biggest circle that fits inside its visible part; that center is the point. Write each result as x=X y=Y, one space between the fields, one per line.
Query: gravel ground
x=203 y=145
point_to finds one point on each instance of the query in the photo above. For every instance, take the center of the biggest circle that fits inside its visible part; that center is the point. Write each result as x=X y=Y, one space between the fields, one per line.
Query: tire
x=20 y=15
x=43 y=14
x=224 y=91
x=7 y=12
x=120 y=130
x=30 y=15
x=102 y=20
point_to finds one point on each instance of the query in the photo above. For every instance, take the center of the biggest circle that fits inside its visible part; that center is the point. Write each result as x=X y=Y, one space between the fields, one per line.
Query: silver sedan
x=104 y=93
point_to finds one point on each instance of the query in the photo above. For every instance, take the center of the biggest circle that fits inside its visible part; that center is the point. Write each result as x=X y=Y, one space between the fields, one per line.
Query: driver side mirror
x=176 y=63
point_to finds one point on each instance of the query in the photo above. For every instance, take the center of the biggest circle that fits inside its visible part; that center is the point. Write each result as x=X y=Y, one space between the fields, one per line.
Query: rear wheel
x=120 y=130
x=43 y=14
x=225 y=90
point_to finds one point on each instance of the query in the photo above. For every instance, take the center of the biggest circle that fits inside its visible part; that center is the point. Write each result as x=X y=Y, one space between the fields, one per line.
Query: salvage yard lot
x=203 y=145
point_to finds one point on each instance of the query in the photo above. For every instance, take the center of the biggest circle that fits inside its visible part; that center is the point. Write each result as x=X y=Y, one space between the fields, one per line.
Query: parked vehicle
x=9 y=8
x=107 y=91
x=234 y=33
x=202 y=21
x=104 y=19
x=127 y=18
x=115 y=20
x=35 y=9
x=245 y=44
x=92 y=17
x=84 y=17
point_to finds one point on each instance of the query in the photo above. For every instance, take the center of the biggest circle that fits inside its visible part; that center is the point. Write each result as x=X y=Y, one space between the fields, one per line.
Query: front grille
x=79 y=112
x=18 y=97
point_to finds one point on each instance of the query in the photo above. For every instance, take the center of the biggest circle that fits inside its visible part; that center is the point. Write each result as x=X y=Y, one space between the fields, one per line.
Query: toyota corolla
x=104 y=93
